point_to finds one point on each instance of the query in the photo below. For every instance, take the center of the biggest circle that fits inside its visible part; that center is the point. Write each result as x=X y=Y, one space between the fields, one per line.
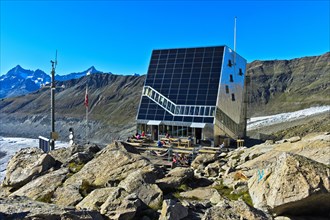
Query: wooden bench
x=134 y=144
x=204 y=151
x=211 y=148
x=181 y=151
x=157 y=149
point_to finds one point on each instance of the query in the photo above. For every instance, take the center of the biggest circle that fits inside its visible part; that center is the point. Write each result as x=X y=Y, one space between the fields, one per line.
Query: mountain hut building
x=197 y=92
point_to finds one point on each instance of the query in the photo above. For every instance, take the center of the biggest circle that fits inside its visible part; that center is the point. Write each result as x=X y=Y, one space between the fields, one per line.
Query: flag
x=86 y=98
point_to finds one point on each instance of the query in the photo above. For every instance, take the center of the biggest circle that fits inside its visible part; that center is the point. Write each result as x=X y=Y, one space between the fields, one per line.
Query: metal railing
x=175 y=109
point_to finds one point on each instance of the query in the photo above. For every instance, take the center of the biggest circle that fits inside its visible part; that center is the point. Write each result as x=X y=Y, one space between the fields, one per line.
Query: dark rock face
x=288 y=85
x=24 y=208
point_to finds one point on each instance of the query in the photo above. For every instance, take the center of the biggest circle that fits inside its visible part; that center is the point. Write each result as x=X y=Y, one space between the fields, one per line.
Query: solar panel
x=179 y=78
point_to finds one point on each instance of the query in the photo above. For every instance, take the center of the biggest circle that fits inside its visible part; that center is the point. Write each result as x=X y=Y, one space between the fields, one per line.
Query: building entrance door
x=155 y=132
x=198 y=135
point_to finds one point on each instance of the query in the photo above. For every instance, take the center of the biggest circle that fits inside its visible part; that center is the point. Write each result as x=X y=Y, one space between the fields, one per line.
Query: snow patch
x=11 y=145
x=259 y=122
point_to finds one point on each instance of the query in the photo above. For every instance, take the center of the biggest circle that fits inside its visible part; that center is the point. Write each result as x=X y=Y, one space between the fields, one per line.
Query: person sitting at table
x=174 y=161
x=160 y=143
x=167 y=135
x=137 y=136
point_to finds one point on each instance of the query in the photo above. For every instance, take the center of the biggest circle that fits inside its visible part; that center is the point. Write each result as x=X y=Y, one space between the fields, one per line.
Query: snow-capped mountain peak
x=19 y=81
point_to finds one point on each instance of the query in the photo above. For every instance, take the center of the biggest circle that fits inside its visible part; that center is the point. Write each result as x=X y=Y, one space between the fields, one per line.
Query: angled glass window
x=186 y=111
x=169 y=106
x=196 y=110
x=172 y=108
x=207 y=110
x=192 y=110
x=177 y=110
x=181 y=110
x=201 y=111
x=212 y=111
x=165 y=103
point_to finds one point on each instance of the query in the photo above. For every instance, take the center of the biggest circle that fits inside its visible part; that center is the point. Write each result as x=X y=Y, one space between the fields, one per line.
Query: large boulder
x=43 y=187
x=109 y=167
x=295 y=185
x=213 y=169
x=25 y=165
x=96 y=198
x=67 y=196
x=173 y=210
x=202 y=193
x=175 y=178
x=314 y=146
x=203 y=160
x=75 y=153
x=233 y=210
x=120 y=205
x=142 y=183
x=17 y=207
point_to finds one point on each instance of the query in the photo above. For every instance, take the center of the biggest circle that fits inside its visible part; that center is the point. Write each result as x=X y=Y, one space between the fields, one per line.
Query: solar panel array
x=187 y=76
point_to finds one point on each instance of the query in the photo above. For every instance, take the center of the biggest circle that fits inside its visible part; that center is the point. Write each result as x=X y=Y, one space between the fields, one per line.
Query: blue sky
x=119 y=36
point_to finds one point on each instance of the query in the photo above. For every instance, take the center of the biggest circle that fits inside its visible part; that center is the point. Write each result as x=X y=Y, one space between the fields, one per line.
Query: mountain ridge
x=19 y=81
x=277 y=86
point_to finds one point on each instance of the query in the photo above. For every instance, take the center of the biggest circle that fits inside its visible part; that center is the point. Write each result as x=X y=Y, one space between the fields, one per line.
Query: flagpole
x=87 y=107
x=87 y=113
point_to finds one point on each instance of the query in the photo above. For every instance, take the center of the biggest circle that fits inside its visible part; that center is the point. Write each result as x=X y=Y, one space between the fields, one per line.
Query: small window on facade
x=231 y=79
x=240 y=72
x=232 y=97
x=229 y=63
x=227 y=89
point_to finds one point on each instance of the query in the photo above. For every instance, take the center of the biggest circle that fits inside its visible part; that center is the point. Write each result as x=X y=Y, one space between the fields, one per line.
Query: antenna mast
x=235 y=35
x=53 y=134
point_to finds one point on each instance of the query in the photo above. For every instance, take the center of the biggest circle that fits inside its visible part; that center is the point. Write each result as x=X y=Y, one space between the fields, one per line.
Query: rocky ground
x=287 y=179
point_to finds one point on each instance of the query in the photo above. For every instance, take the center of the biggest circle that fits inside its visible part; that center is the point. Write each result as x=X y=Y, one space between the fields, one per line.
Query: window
x=231 y=79
x=177 y=110
x=232 y=97
x=201 y=111
x=240 y=72
x=207 y=111
x=229 y=63
x=227 y=89
x=181 y=110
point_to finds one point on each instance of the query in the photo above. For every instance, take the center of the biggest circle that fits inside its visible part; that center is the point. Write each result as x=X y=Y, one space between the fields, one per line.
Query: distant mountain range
x=19 y=81
x=276 y=86
x=91 y=70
